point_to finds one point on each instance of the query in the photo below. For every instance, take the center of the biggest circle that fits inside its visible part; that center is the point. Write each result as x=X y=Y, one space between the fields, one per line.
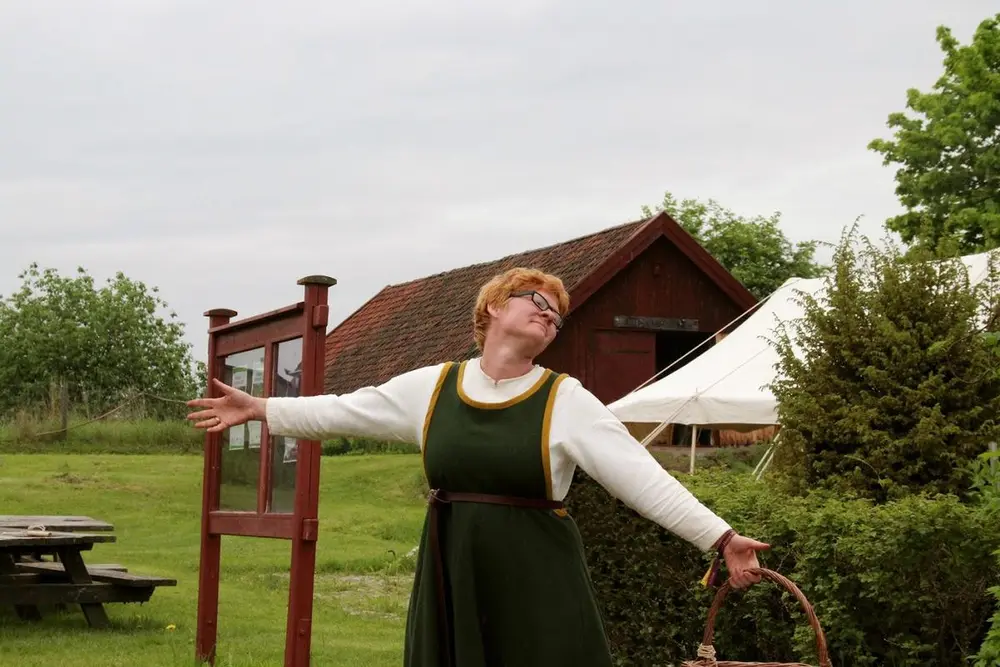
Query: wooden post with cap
x=298 y=634
x=211 y=544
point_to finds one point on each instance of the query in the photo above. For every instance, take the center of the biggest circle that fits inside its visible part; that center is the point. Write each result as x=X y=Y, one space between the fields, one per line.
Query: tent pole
x=763 y=458
x=694 y=444
x=768 y=457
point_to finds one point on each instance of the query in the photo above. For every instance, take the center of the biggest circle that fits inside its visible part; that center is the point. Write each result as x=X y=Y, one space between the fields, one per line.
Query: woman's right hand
x=233 y=408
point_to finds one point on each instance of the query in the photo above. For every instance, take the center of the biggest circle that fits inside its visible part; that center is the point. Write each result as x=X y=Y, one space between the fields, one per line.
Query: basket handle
x=821 y=650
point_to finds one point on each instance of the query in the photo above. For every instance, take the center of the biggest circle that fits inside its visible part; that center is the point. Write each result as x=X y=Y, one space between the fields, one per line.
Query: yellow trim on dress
x=546 y=427
x=430 y=412
x=505 y=404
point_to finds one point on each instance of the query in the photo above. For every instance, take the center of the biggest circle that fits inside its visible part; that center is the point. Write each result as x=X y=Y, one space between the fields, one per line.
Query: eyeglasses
x=543 y=305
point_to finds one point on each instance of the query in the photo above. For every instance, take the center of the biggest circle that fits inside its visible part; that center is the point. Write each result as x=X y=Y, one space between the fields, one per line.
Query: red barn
x=642 y=294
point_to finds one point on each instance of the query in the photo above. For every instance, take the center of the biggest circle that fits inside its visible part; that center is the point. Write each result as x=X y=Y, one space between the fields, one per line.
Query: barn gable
x=429 y=320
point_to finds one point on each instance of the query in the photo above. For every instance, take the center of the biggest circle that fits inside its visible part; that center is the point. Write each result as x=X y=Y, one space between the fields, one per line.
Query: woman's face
x=530 y=316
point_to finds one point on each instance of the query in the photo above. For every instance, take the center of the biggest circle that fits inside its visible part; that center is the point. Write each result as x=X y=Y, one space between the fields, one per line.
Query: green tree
x=887 y=385
x=104 y=343
x=754 y=250
x=948 y=152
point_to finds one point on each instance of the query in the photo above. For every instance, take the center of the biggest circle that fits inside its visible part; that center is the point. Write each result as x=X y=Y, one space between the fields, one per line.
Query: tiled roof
x=429 y=320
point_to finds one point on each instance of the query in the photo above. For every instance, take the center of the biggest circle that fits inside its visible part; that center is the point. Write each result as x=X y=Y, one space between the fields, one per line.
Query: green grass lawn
x=371 y=507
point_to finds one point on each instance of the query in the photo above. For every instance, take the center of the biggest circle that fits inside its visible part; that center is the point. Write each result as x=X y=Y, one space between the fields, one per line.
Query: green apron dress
x=501 y=578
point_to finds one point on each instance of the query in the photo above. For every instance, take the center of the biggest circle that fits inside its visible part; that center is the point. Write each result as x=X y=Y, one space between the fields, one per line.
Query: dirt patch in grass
x=372 y=595
x=78 y=481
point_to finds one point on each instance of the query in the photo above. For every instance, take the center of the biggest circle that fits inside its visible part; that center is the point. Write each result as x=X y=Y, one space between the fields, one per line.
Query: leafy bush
x=903 y=583
x=989 y=652
x=886 y=386
x=986 y=491
x=344 y=446
x=101 y=343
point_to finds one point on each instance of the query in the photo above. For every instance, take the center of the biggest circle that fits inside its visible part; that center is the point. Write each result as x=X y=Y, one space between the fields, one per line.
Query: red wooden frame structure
x=251 y=353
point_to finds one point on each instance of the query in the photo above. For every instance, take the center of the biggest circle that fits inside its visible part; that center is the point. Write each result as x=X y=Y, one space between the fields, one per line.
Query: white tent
x=727 y=385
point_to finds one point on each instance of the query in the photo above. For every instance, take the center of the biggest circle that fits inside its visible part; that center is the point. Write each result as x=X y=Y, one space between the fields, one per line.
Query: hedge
x=903 y=584
x=341 y=446
x=989 y=652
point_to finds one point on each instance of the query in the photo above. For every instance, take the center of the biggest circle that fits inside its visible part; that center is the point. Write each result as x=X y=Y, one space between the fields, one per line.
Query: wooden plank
x=107 y=575
x=130 y=578
x=263 y=320
x=108 y=566
x=25 y=538
x=279 y=526
x=54 y=522
x=97 y=617
x=19 y=578
x=655 y=323
x=94 y=593
x=52 y=566
x=236 y=340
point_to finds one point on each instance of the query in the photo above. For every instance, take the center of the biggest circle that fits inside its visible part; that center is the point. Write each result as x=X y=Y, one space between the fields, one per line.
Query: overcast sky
x=221 y=150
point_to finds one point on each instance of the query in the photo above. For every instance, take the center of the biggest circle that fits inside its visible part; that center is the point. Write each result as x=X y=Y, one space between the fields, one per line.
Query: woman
x=501 y=577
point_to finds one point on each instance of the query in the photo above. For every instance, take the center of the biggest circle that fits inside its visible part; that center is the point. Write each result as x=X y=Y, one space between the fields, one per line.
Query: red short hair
x=498 y=290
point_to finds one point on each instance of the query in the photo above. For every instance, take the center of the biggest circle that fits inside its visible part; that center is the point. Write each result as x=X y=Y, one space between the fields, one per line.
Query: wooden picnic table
x=28 y=583
x=67 y=524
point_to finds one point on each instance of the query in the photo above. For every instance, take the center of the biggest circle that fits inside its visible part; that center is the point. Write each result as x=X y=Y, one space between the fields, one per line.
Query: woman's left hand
x=741 y=555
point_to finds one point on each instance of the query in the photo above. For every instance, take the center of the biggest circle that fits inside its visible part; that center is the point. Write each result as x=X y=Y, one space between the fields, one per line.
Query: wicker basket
x=706 y=652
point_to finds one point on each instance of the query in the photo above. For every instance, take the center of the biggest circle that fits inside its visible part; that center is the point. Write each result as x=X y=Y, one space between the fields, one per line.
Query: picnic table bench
x=29 y=582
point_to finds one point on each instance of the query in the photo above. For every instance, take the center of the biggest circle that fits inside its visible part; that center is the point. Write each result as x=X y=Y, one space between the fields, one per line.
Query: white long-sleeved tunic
x=583 y=432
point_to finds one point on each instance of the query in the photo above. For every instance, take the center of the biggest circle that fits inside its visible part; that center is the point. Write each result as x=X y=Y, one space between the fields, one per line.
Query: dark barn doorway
x=671 y=346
